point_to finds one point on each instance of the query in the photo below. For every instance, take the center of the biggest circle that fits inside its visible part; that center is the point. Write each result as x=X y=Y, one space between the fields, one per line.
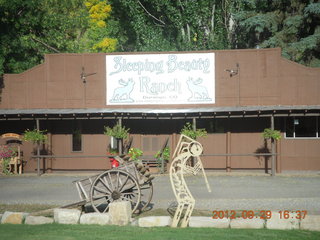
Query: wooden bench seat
x=149 y=161
x=152 y=162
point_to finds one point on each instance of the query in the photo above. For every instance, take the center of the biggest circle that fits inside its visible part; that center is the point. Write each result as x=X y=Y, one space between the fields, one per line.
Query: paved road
x=229 y=192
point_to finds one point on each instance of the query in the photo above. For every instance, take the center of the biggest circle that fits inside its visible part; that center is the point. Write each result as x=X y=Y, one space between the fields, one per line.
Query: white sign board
x=174 y=78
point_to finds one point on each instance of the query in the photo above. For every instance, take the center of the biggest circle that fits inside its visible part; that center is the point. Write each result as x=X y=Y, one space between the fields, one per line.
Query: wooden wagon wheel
x=114 y=185
x=146 y=196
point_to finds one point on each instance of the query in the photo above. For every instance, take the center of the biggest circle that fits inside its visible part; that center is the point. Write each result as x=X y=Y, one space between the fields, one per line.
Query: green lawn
x=87 y=232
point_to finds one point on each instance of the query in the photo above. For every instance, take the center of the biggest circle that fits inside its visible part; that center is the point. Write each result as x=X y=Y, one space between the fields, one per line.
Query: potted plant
x=135 y=154
x=111 y=153
x=162 y=158
x=189 y=131
x=6 y=154
x=118 y=132
x=268 y=133
x=274 y=135
x=35 y=136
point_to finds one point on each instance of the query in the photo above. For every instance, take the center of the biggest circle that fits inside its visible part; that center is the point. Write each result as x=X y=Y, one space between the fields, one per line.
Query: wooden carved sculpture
x=185 y=150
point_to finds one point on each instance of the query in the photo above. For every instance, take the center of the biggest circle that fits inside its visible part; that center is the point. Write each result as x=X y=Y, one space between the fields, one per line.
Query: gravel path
x=229 y=192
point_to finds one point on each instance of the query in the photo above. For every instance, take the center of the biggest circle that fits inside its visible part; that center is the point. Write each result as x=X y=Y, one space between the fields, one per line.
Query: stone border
x=74 y=216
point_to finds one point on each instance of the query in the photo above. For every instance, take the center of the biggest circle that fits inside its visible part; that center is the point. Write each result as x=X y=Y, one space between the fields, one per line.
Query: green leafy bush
x=117 y=131
x=35 y=136
x=135 y=153
x=190 y=132
x=165 y=156
x=271 y=134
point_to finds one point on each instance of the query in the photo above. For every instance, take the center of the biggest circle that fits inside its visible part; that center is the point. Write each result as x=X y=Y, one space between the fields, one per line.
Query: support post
x=273 y=157
x=194 y=126
x=239 y=90
x=120 y=140
x=38 y=149
x=49 y=152
x=228 y=160
x=278 y=148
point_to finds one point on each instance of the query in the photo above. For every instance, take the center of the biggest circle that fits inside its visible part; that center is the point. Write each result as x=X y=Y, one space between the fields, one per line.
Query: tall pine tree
x=293 y=25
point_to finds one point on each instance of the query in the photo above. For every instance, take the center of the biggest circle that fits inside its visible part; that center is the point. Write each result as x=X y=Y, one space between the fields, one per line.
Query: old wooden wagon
x=131 y=181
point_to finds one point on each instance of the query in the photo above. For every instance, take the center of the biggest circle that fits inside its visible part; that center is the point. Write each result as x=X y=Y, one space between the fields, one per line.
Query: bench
x=160 y=163
x=150 y=161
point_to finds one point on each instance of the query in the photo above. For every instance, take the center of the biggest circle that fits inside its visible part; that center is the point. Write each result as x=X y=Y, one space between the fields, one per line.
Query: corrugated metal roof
x=157 y=111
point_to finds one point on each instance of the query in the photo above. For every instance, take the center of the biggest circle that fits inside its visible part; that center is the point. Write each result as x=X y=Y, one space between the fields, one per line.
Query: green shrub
x=268 y=133
x=190 y=132
x=117 y=131
x=135 y=153
x=35 y=136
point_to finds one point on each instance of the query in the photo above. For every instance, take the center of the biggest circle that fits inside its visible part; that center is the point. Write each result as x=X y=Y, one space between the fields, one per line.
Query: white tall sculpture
x=185 y=150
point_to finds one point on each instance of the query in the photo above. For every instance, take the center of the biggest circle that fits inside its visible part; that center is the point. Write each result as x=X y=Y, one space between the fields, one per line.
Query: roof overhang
x=169 y=113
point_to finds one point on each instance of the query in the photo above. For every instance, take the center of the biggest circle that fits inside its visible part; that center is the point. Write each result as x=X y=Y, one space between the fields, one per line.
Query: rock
x=310 y=222
x=120 y=212
x=95 y=218
x=37 y=220
x=13 y=217
x=247 y=223
x=66 y=216
x=134 y=222
x=209 y=222
x=275 y=222
x=1 y=217
x=156 y=221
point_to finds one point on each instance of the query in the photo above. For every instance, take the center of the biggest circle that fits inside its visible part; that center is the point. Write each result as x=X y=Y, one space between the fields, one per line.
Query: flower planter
x=113 y=162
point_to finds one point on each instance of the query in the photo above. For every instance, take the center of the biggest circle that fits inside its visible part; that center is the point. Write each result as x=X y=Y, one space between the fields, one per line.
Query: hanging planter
x=268 y=133
x=190 y=132
x=117 y=131
x=34 y=136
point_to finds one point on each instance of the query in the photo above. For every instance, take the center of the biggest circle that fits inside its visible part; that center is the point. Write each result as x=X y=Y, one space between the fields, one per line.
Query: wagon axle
x=115 y=195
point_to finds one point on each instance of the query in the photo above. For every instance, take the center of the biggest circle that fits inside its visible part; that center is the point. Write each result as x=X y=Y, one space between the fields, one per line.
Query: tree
x=30 y=29
x=96 y=37
x=292 y=25
x=164 y=25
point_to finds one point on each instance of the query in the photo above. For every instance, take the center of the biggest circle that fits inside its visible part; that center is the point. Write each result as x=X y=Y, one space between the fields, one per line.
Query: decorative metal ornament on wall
x=176 y=78
x=84 y=75
x=186 y=149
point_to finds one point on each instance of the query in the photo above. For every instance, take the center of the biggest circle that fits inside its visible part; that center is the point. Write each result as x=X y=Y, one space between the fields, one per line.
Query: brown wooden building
x=234 y=94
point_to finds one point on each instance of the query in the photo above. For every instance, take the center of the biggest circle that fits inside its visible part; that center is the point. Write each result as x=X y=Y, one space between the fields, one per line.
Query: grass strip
x=87 y=232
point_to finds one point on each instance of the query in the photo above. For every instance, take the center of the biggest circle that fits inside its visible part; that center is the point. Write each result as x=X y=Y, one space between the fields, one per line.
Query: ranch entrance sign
x=174 y=78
